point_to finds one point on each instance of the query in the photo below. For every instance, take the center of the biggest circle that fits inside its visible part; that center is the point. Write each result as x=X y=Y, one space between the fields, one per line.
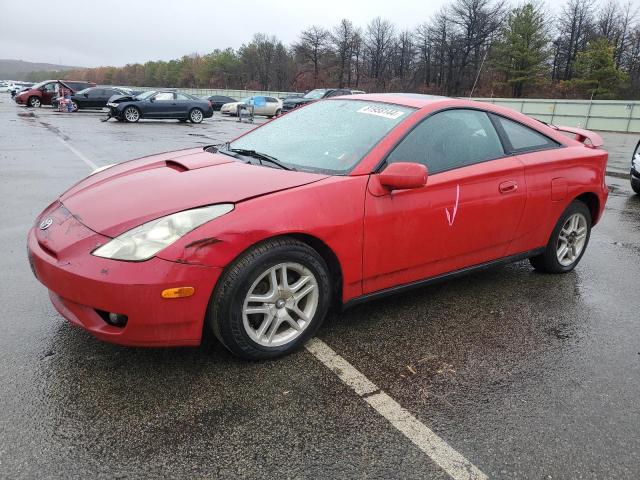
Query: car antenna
x=479 y=70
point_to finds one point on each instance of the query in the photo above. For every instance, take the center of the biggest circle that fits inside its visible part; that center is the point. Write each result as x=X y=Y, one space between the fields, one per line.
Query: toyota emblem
x=46 y=223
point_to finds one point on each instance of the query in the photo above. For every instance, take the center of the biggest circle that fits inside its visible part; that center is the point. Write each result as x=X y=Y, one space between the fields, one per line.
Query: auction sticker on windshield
x=386 y=112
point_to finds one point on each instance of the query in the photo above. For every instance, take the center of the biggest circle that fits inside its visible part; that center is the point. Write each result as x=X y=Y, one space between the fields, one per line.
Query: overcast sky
x=117 y=32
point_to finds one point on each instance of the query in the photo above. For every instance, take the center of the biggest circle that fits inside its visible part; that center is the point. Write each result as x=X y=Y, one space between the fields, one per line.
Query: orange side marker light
x=179 y=292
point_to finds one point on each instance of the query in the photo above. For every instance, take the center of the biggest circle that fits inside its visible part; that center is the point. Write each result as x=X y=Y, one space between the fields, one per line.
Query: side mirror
x=152 y=99
x=403 y=176
x=86 y=95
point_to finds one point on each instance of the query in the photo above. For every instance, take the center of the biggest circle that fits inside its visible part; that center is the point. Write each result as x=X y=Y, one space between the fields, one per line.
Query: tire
x=131 y=114
x=635 y=185
x=34 y=102
x=574 y=226
x=74 y=106
x=257 y=273
x=278 y=112
x=196 y=115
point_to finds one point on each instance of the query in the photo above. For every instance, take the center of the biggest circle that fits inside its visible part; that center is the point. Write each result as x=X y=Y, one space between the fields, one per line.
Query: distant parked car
x=315 y=95
x=635 y=170
x=160 y=104
x=42 y=93
x=292 y=96
x=15 y=87
x=217 y=101
x=94 y=97
x=271 y=108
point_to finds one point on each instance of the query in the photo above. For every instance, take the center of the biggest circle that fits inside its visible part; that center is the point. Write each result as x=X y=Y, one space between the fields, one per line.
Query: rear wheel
x=568 y=241
x=196 y=115
x=635 y=184
x=34 y=102
x=74 y=106
x=131 y=114
x=271 y=300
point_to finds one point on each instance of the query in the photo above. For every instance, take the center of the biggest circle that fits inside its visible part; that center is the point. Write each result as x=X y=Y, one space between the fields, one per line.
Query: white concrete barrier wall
x=605 y=115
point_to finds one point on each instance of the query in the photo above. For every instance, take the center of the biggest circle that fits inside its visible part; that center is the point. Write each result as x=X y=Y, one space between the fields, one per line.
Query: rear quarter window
x=521 y=138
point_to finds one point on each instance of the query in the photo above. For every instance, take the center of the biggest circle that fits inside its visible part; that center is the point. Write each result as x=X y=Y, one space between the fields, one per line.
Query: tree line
x=469 y=47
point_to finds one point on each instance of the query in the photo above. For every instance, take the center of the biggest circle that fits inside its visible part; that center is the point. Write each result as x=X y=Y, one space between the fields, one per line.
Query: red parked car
x=42 y=93
x=256 y=239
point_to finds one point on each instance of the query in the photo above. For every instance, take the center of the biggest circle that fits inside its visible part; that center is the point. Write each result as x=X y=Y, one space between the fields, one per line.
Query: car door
x=467 y=213
x=547 y=179
x=271 y=106
x=182 y=105
x=159 y=105
x=92 y=100
x=49 y=91
x=104 y=96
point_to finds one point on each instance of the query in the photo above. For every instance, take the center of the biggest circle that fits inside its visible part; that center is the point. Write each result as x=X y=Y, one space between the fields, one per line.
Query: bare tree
x=342 y=43
x=378 y=45
x=312 y=47
x=575 y=26
x=478 y=22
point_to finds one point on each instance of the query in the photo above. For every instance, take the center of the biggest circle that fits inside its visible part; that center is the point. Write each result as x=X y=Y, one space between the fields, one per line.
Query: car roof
x=415 y=100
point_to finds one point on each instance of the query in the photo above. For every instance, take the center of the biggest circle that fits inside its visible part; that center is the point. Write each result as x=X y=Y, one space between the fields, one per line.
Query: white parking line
x=452 y=462
x=91 y=165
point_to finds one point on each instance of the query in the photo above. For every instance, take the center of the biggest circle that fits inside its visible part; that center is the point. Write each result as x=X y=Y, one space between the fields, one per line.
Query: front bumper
x=20 y=100
x=80 y=284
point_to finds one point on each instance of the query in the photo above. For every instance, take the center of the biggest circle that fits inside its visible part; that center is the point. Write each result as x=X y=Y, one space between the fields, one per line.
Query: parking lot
x=520 y=374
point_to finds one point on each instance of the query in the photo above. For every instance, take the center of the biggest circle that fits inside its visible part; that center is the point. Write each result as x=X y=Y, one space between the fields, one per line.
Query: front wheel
x=271 y=300
x=635 y=185
x=568 y=241
x=196 y=115
x=34 y=102
x=131 y=114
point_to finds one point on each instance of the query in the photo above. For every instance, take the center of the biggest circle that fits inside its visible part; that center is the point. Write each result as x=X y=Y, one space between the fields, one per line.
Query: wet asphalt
x=526 y=375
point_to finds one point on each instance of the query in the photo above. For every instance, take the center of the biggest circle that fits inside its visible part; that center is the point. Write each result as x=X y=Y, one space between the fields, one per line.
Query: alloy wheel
x=280 y=304
x=196 y=116
x=131 y=114
x=571 y=239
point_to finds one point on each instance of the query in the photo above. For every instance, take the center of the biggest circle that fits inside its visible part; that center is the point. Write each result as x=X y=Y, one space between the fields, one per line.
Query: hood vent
x=177 y=166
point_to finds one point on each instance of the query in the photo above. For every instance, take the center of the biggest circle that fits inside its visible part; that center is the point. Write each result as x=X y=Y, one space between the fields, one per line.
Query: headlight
x=143 y=242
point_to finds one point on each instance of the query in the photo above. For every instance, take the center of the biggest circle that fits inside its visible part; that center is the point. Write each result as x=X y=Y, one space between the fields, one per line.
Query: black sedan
x=314 y=95
x=218 y=100
x=93 y=97
x=160 y=104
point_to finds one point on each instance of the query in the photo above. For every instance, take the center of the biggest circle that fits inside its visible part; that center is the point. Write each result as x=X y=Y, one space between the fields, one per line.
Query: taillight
x=210 y=104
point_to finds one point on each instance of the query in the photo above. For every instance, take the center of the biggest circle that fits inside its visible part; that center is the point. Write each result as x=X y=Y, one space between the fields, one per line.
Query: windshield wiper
x=260 y=156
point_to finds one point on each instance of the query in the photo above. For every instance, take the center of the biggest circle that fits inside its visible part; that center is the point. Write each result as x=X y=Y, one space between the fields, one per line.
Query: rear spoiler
x=582 y=135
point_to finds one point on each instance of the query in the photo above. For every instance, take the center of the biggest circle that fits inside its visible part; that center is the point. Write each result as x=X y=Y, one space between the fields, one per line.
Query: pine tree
x=595 y=70
x=521 y=55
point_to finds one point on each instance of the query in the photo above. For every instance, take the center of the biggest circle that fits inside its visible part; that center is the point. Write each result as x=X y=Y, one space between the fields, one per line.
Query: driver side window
x=450 y=139
x=50 y=87
x=164 y=97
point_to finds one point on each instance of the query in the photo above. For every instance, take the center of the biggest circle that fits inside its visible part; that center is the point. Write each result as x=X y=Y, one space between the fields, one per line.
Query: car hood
x=121 y=98
x=297 y=101
x=126 y=195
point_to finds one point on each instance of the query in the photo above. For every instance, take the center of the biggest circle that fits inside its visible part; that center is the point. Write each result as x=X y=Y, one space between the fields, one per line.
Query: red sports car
x=337 y=202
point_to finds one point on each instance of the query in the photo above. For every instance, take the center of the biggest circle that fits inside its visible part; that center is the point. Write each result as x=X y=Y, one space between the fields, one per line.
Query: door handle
x=508 y=187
